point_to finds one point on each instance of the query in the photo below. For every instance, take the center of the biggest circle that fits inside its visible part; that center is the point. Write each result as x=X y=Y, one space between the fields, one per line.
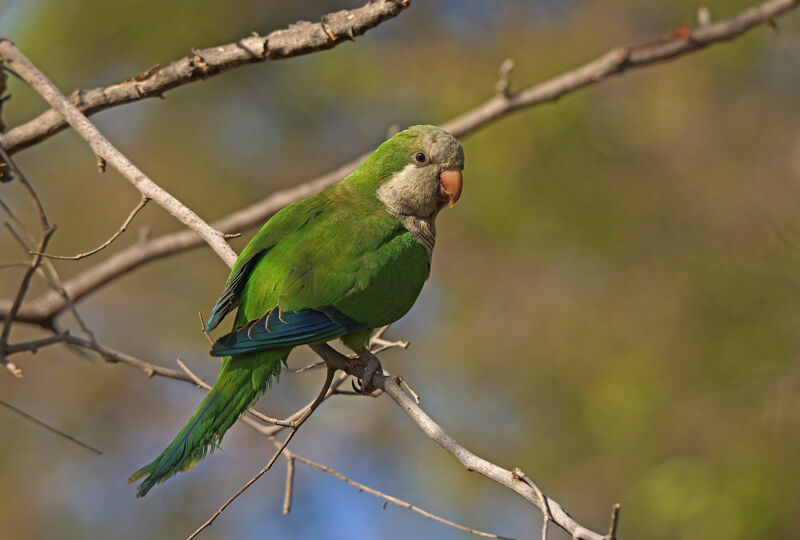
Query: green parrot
x=338 y=264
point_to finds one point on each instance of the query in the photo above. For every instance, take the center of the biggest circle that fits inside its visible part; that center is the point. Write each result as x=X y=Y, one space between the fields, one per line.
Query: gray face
x=414 y=190
x=413 y=193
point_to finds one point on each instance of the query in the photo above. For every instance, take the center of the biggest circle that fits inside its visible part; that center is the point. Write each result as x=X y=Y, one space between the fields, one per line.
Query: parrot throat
x=423 y=229
x=405 y=197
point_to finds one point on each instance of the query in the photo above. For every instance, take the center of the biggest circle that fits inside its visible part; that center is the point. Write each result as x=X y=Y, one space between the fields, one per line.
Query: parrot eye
x=420 y=158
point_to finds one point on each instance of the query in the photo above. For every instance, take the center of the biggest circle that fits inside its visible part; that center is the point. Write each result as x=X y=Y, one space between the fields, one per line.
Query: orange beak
x=450 y=183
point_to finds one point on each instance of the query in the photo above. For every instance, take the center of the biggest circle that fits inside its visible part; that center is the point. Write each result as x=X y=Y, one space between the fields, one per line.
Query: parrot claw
x=372 y=366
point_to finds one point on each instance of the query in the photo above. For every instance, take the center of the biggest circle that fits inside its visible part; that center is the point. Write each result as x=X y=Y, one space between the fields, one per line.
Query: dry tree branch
x=394 y=500
x=323 y=393
x=28 y=188
x=107 y=152
x=615 y=62
x=392 y=385
x=23 y=288
x=15 y=264
x=298 y=39
x=619 y=60
x=114 y=356
x=289 y=490
x=50 y=428
x=52 y=278
x=142 y=203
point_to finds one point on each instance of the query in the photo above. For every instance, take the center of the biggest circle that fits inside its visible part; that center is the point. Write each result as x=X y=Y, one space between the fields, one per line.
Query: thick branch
x=105 y=151
x=616 y=61
x=298 y=39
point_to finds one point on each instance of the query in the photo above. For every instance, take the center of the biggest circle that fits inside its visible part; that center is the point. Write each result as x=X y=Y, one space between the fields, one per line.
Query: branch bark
x=616 y=61
x=516 y=482
x=298 y=39
x=105 y=151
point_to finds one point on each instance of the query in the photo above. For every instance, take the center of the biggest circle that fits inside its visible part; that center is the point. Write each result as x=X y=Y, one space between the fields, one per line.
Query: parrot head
x=421 y=172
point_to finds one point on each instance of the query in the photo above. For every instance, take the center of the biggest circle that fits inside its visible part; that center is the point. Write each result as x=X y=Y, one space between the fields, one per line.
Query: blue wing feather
x=229 y=299
x=280 y=329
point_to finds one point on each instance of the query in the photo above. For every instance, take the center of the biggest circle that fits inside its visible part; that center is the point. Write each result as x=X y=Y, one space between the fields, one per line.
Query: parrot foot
x=372 y=366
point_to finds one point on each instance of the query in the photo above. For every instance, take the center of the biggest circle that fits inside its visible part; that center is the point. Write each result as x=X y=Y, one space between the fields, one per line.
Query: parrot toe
x=372 y=365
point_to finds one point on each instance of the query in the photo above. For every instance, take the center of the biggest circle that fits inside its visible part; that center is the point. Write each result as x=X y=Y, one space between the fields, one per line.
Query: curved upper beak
x=450 y=183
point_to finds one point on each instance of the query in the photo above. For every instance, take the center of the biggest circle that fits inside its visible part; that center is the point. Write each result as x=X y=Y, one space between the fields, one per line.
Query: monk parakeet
x=338 y=264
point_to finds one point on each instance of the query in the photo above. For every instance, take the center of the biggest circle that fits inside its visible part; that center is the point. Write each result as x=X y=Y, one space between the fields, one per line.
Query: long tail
x=241 y=382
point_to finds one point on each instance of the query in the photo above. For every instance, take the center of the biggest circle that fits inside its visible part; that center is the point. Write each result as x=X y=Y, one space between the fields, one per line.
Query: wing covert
x=279 y=329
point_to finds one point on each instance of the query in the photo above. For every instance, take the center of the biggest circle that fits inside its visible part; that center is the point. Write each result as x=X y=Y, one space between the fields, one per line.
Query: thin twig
x=394 y=500
x=547 y=514
x=37 y=203
x=105 y=244
x=312 y=365
x=109 y=354
x=612 y=528
x=23 y=288
x=320 y=398
x=15 y=264
x=203 y=329
x=287 y=495
x=51 y=428
x=52 y=278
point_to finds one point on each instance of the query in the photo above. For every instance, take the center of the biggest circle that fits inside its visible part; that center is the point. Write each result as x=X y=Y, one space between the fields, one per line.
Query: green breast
x=388 y=281
x=349 y=253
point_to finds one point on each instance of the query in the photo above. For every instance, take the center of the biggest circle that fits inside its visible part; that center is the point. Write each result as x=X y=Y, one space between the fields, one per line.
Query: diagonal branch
x=298 y=39
x=620 y=60
x=617 y=61
x=50 y=428
x=323 y=393
x=106 y=152
x=23 y=288
x=392 y=385
x=394 y=500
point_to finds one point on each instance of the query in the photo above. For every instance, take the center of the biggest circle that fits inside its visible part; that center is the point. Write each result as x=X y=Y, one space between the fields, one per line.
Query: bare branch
x=394 y=500
x=323 y=393
x=15 y=264
x=52 y=278
x=103 y=148
x=612 y=528
x=392 y=385
x=619 y=60
x=28 y=188
x=122 y=229
x=23 y=288
x=109 y=354
x=615 y=62
x=50 y=428
x=298 y=39
x=287 y=496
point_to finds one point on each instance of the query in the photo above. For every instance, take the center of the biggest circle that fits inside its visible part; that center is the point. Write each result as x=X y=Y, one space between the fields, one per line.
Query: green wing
x=333 y=253
x=288 y=220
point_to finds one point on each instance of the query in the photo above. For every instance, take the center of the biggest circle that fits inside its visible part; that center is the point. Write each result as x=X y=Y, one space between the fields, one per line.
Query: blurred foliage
x=613 y=305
